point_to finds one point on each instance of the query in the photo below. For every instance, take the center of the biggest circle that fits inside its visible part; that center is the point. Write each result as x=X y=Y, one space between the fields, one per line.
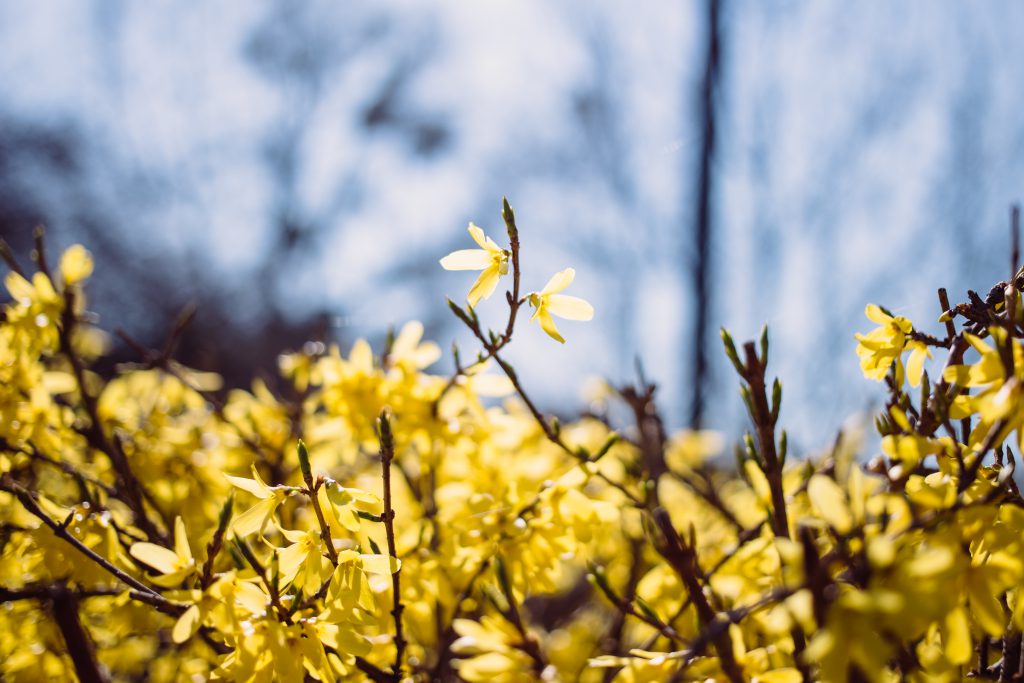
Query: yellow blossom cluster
x=365 y=518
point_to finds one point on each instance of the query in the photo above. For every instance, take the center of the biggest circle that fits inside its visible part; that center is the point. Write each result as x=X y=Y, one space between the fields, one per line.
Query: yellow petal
x=290 y=559
x=547 y=324
x=75 y=264
x=409 y=337
x=915 y=364
x=186 y=626
x=380 y=564
x=876 y=315
x=181 y=540
x=830 y=502
x=255 y=517
x=478 y=235
x=254 y=487
x=162 y=559
x=361 y=356
x=20 y=289
x=484 y=285
x=59 y=382
x=559 y=281
x=483 y=240
x=986 y=609
x=569 y=307
x=957 y=637
x=467 y=259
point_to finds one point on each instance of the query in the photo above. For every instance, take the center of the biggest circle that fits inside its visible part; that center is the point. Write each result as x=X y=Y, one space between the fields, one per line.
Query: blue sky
x=868 y=152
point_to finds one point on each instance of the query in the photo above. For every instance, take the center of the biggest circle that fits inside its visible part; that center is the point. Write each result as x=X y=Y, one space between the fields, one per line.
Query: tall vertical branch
x=702 y=226
x=387 y=456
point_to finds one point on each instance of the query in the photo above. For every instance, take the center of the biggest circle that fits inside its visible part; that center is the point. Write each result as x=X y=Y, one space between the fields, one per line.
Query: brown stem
x=764 y=425
x=683 y=559
x=64 y=607
x=387 y=456
x=27 y=499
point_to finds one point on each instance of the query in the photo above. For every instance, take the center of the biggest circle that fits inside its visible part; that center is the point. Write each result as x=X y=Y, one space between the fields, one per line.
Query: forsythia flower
x=548 y=301
x=174 y=565
x=883 y=346
x=490 y=258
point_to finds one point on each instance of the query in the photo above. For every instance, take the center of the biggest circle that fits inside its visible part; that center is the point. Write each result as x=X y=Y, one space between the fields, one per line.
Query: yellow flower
x=256 y=517
x=548 y=301
x=883 y=346
x=174 y=565
x=75 y=264
x=490 y=258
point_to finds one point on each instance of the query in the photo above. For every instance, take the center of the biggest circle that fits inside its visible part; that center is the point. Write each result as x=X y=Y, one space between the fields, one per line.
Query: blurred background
x=297 y=170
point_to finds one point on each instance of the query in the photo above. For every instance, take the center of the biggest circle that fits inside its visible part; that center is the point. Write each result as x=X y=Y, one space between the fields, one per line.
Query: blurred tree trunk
x=702 y=224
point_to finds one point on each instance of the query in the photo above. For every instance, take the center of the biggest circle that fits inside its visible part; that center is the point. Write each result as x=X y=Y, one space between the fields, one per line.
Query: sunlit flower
x=490 y=258
x=173 y=565
x=548 y=301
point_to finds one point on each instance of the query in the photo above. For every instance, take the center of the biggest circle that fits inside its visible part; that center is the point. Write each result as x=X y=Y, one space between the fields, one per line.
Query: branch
x=387 y=456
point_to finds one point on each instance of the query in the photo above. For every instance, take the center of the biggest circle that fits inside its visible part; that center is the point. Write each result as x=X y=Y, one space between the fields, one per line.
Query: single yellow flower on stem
x=548 y=301
x=490 y=258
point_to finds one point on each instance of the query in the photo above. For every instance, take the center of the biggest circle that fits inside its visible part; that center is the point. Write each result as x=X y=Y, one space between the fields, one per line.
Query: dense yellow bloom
x=504 y=545
x=548 y=302
x=490 y=258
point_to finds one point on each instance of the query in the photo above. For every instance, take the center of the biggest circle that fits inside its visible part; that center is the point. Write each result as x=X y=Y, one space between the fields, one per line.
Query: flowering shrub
x=373 y=521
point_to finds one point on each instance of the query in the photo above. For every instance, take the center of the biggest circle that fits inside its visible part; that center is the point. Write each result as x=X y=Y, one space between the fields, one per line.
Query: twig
x=64 y=606
x=682 y=558
x=387 y=456
x=27 y=499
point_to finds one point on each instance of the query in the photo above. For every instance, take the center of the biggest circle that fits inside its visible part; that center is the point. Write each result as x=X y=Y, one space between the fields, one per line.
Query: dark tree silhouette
x=703 y=220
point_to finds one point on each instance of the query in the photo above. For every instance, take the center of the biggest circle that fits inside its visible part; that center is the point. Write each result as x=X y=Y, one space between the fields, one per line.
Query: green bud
x=612 y=439
x=776 y=400
x=730 y=351
x=783 y=447
x=764 y=345
x=246 y=552
x=748 y=401
x=369 y=517
x=748 y=442
x=509 y=217
x=374 y=547
x=225 y=515
x=307 y=471
x=646 y=608
x=387 y=439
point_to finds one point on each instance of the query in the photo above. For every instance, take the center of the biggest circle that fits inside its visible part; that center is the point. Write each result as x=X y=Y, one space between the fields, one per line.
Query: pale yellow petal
x=958 y=637
x=75 y=264
x=361 y=356
x=181 y=540
x=915 y=364
x=290 y=559
x=254 y=487
x=162 y=559
x=559 y=281
x=830 y=502
x=547 y=323
x=484 y=286
x=467 y=259
x=570 y=307
x=186 y=626
x=408 y=338
x=254 y=518
x=479 y=238
x=380 y=564
x=876 y=315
